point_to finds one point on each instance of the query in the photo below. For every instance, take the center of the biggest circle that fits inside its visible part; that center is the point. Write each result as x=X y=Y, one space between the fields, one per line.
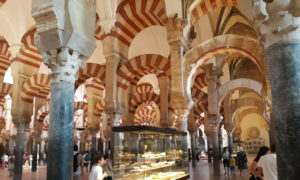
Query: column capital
x=277 y=21
x=64 y=64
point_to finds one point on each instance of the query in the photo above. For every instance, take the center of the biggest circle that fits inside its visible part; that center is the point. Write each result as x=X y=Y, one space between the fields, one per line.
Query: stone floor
x=198 y=171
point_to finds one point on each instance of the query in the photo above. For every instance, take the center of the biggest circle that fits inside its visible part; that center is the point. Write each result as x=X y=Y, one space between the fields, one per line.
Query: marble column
x=164 y=101
x=213 y=113
x=281 y=39
x=19 y=151
x=60 y=147
x=230 y=141
x=283 y=60
x=34 y=156
x=272 y=132
x=65 y=39
x=193 y=145
x=215 y=146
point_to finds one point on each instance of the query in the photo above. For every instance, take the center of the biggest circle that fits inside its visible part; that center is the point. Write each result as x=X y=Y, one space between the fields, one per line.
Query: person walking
x=241 y=160
x=269 y=165
x=255 y=171
x=86 y=162
x=226 y=157
x=97 y=172
x=11 y=164
x=232 y=164
x=76 y=169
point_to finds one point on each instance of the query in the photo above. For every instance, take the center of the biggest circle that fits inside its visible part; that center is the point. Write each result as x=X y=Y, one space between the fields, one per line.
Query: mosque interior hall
x=161 y=87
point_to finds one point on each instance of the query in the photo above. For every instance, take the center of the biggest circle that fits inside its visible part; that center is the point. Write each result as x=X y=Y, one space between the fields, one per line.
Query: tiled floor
x=198 y=171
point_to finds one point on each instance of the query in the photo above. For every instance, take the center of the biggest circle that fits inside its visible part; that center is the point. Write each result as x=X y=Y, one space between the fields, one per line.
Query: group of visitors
x=262 y=168
x=101 y=166
x=229 y=161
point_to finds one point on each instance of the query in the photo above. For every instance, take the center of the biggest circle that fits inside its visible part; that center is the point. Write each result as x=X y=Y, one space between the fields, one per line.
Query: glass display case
x=148 y=153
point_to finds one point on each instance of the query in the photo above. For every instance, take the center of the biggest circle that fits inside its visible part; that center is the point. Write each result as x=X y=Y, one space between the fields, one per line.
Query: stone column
x=163 y=84
x=220 y=138
x=230 y=141
x=213 y=113
x=193 y=145
x=19 y=151
x=215 y=146
x=65 y=38
x=281 y=38
x=34 y=155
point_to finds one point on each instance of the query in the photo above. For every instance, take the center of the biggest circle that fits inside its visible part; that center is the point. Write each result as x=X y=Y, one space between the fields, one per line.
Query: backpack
x=87 y=158
x=75 y=162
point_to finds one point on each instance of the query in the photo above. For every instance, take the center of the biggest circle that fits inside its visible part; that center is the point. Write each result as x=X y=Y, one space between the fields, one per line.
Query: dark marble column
x=215 y=147
x=284 y=68
x=230 y=142
x=19 y=151
x=60 y=147
x=193 y=145
x=34 y=156
x=209 y=157
x=272 y=133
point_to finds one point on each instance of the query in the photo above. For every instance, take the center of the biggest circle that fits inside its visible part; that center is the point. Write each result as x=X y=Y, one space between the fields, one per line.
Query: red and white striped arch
x=144 y=93
x=4 y=57
x=5 y=89
x=140 y=66
x=91 y=70
x=146 y=115
x=99 y=107
x=28 y=53
x=43 y=112
x=132 y=17
x=80 y=105
x=204 y=6
x=36 y=86
x=200 y=81
x=97 y=86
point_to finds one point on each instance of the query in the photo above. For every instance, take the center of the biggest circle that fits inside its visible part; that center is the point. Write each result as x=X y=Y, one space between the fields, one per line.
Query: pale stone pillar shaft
x=19 y=151
x=60 y=147
x=164 y=101
x=213 y=114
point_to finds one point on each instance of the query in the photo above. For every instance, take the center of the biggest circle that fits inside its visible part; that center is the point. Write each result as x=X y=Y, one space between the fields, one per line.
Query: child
x=232 y=164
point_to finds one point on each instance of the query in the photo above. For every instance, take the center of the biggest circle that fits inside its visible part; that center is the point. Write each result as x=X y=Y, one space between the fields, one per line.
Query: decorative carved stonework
x=277 y=20
x=64 y=64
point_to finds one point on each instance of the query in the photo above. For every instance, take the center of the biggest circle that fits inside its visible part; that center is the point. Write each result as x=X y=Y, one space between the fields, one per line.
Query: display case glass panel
x=146 y=153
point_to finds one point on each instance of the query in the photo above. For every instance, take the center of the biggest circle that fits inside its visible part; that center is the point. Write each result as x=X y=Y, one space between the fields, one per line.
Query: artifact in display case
x=149 y=153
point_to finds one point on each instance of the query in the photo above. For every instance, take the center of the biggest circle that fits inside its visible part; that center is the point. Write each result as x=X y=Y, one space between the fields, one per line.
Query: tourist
x=241 y=160
x=268 y=164
x=11 y=164
x=226 y=156
x=80 y=162
x=232 y=164
x=96 y=172
x=86 y=162
x=76 y=169
x=255 y=171
x=5 y=159
x=107 y=167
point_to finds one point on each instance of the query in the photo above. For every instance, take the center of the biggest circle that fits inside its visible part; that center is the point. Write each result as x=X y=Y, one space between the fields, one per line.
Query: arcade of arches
x=224 y=71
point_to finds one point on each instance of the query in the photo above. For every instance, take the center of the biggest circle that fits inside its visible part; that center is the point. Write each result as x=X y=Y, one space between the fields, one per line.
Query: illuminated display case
x=148 y=153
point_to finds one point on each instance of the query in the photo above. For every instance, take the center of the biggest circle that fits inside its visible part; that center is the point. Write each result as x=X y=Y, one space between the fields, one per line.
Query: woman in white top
x=97 y=172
